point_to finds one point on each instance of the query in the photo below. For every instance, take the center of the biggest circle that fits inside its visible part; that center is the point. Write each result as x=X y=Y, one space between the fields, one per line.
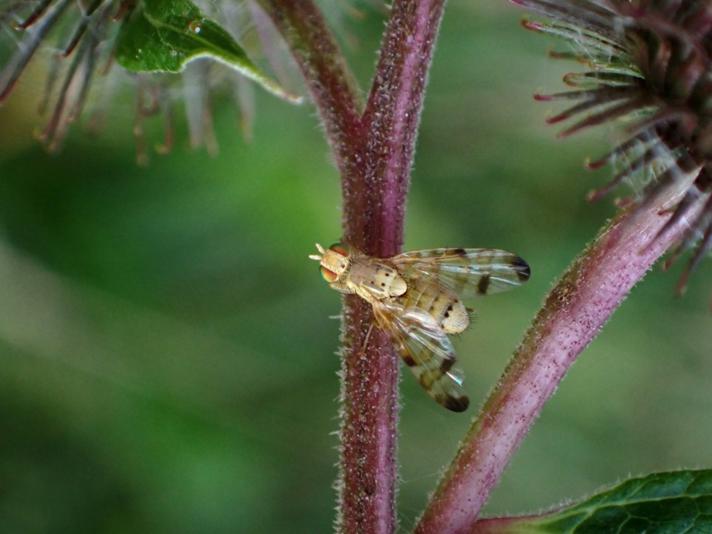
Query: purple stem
x=392 y=118
x=574 y=312
x=374 y=210
x=374 y=153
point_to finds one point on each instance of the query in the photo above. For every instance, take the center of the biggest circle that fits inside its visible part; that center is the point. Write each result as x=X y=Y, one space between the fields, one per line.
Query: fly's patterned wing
x=426 y=349
x=466 y=271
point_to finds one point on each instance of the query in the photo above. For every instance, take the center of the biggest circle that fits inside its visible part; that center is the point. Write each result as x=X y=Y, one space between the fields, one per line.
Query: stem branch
x=574 y=312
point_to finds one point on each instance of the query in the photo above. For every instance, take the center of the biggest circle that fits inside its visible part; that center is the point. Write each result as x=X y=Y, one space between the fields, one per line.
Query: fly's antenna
x=317 y=257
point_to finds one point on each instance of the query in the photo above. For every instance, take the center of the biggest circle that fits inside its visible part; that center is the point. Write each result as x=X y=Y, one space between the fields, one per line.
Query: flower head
x=650 y=66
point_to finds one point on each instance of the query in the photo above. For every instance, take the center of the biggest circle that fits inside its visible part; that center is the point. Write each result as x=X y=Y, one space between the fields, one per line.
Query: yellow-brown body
x=416 y=298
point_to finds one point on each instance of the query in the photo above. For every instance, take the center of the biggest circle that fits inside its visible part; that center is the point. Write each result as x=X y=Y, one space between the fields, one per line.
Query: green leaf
x=164 y=35
x=679 y=501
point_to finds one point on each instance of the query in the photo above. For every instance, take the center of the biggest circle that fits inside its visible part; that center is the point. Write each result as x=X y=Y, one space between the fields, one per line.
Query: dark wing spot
x=446 y=365
x=383 y=284
x=483 y=284
x=522 y=268
x=387 y=273
x=459 y=251
x=408 y=359
x=456 y=404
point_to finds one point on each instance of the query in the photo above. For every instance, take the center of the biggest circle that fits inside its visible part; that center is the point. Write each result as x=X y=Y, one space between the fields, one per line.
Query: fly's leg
x=364 y=345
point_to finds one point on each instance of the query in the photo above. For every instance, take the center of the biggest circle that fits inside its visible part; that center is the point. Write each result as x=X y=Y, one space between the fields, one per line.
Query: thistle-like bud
x=79 y=41
x=650 y=66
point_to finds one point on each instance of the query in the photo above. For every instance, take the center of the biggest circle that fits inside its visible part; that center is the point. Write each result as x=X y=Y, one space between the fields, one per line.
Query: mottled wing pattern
x=426 y=349
x=466 y=271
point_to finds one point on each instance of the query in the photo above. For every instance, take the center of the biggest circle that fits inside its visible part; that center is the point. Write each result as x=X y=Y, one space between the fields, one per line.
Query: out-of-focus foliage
x=167 y=349
x=89 y=51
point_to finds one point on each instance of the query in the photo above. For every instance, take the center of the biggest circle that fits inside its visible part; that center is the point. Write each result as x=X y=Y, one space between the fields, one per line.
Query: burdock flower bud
x=84 y=42
x=649 y=68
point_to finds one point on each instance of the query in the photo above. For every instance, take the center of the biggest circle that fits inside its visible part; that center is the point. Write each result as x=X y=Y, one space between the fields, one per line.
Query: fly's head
x=335 y=261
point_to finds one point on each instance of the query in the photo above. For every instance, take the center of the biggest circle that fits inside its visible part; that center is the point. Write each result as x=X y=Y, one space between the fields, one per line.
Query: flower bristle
x=650 y=67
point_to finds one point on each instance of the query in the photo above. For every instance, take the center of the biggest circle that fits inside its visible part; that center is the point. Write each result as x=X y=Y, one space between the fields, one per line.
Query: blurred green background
x=167 y=350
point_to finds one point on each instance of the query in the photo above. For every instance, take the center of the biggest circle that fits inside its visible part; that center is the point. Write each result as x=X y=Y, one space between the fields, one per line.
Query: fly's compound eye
x=329 y=276
x=340 y=249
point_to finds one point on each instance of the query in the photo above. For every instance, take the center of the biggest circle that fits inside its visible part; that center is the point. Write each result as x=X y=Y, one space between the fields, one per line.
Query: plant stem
x=374 y=153
x=574 y=312
x=374 y=210
x=391 y=118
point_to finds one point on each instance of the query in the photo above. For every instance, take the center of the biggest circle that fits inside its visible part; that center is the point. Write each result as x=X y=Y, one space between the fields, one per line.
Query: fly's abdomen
x=444 y=306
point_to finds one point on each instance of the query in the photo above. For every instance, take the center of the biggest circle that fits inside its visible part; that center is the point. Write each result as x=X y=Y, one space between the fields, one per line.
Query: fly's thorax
x=443 y=305
x=376 y=279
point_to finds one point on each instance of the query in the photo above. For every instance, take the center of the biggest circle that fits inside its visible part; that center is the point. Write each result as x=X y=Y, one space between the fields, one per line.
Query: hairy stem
x=374 y=209
x=576 y=309
x=391 y=119
x=374 y=153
